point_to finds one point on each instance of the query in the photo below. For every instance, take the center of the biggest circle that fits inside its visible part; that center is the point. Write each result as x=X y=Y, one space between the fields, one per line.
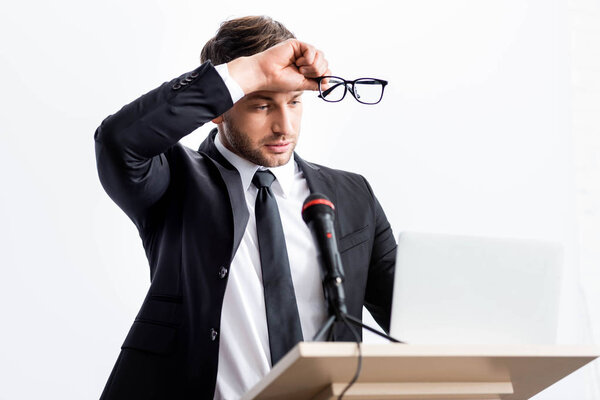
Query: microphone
x=318 y=213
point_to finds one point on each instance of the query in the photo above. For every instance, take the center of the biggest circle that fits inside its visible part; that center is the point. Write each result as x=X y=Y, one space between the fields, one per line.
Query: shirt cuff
x=234 y=88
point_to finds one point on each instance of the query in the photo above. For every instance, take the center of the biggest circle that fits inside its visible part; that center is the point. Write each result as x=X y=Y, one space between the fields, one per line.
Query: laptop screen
x=474 y=290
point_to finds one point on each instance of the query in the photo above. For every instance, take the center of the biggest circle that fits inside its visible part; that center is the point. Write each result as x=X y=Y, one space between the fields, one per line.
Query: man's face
x=263 y=127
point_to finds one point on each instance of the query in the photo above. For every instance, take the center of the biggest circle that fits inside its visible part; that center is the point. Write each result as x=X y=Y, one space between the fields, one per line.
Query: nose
x=282 y=122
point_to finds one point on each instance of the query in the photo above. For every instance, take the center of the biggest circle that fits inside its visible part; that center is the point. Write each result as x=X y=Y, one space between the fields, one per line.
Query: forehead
x=273 y=96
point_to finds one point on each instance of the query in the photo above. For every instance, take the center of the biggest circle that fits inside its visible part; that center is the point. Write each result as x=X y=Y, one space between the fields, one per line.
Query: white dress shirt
x=244 y=355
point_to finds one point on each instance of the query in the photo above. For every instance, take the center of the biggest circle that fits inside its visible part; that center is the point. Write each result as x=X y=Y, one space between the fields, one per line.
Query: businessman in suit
x=235 y=280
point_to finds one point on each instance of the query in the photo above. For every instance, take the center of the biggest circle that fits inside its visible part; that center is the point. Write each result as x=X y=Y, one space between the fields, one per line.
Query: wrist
x=246 y=72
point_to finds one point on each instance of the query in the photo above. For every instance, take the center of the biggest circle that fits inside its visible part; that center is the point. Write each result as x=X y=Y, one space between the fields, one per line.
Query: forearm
x=154 y=122
x=130 y=144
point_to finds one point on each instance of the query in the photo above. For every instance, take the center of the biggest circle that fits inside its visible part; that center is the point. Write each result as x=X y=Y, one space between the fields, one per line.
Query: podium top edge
x=345 y=349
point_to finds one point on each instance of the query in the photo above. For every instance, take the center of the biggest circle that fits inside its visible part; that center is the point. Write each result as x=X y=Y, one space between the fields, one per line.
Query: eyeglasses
x=364 y=90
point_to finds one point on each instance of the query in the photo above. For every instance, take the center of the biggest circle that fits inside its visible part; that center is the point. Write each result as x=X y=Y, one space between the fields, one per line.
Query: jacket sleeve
x=131 y=144
x=380 y=282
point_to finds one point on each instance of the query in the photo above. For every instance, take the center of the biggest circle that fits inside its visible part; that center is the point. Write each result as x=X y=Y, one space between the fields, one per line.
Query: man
x=210 y=326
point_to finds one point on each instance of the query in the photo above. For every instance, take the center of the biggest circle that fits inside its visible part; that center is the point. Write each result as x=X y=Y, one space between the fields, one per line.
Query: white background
x=489 y=126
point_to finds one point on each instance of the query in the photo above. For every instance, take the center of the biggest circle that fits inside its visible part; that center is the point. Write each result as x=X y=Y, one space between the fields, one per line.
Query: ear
x=218 y=120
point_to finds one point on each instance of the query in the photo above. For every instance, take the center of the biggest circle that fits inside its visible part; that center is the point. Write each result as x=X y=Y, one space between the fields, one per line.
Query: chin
x=276 y=161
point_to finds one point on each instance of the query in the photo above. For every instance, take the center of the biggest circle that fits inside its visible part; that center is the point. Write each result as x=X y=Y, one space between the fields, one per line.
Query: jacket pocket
x=154 y=338
x=354 y=239
x=161 y=309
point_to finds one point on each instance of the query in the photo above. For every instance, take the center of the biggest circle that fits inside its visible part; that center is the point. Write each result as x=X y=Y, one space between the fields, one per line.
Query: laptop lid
x=474 y=290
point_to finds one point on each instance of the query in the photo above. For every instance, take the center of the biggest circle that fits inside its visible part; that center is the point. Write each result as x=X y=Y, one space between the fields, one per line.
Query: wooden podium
x=321 y=370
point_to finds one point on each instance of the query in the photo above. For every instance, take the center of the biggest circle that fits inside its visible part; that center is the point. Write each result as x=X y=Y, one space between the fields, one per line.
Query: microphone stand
x=334 y=292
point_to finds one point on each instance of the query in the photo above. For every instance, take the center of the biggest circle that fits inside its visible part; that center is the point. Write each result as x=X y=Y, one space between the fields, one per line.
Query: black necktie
x=280 y=301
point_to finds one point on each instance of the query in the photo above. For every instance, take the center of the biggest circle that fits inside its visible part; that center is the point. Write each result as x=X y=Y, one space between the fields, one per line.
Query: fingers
x=311 y=63
x=325 y=82
x=311 y=84
x=318 y=67
x=304 y=52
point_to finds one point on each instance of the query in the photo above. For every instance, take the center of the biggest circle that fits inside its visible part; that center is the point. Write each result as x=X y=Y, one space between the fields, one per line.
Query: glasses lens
x=332 y=88
x=368 y=91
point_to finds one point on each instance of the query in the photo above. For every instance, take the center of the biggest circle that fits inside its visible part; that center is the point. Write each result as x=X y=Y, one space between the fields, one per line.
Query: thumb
x=309 y=84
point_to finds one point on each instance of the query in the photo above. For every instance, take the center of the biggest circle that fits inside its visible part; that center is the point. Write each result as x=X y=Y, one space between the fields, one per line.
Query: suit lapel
x=319 y=182
x=232 y=180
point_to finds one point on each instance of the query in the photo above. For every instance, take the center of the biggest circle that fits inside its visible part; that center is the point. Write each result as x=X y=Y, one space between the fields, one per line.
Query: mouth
x=280 y=147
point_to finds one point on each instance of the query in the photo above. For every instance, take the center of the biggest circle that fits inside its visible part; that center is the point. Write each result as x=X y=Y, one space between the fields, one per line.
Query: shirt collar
x=284 y=174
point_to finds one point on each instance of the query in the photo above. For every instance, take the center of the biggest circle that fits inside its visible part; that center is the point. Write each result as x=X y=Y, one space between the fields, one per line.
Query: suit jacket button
x=223 y=272
x=176 y=86
x=194 y=74
x=213 y=334
x=183 y=82
x=188 y=79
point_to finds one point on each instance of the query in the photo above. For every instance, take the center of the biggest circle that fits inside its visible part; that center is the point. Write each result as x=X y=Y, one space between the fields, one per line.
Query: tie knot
x=263 y=179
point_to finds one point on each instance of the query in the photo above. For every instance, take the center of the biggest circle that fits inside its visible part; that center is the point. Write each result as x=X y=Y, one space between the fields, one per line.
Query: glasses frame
x=324 y=93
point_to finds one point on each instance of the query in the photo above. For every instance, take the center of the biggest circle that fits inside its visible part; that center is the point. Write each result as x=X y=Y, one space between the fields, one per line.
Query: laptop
x=452 y=289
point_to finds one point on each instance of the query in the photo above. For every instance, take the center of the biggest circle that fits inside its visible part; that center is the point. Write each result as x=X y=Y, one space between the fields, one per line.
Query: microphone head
x=316 y=204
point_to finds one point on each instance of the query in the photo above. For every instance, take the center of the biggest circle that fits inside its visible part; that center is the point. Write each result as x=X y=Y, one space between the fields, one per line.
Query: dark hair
x=244 y=37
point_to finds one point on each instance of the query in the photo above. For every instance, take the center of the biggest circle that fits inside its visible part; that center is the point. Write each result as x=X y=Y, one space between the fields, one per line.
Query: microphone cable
x=359 y=365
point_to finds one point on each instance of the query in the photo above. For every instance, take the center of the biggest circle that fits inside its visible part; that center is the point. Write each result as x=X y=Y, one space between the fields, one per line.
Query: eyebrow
x=259 y=96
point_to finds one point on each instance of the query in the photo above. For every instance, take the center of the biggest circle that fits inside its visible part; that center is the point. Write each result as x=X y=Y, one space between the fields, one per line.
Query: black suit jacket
x=190 y=211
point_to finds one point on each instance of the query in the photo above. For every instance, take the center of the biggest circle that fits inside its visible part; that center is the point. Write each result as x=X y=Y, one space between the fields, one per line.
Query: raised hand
x=288 y=66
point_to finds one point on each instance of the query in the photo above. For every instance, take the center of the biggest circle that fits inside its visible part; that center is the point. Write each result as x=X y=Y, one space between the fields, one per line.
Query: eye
x=295 y=102
x=261 y=107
